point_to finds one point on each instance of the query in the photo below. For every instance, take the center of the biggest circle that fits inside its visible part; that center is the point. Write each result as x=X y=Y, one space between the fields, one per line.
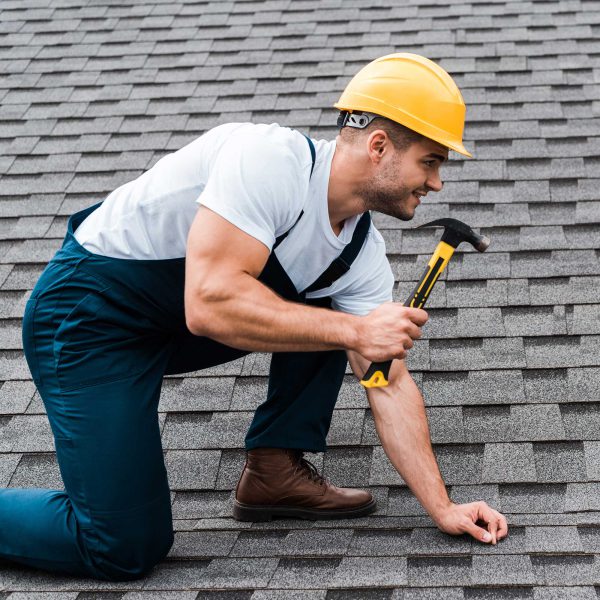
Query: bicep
x=218 y=252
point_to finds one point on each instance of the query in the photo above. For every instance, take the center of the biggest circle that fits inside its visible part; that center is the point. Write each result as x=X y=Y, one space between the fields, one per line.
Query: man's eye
x=430 y=163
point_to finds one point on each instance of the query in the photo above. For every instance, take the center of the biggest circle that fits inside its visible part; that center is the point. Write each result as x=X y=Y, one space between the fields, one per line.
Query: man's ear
x=378 y=143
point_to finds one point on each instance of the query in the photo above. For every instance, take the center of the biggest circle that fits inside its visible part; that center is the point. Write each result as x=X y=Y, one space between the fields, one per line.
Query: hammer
x=455 y=232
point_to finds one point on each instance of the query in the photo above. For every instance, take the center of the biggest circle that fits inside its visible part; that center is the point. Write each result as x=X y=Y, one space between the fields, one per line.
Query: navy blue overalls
x=99 y=334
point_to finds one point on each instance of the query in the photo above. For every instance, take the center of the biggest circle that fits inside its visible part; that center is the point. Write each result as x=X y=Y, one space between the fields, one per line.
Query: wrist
x=440 y=510
x=349 y=330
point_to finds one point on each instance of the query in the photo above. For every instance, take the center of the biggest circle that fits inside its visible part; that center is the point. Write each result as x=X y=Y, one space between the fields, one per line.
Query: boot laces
x=311 y=471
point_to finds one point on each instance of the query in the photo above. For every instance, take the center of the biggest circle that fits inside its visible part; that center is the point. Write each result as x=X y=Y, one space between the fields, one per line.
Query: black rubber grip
x=372 y=379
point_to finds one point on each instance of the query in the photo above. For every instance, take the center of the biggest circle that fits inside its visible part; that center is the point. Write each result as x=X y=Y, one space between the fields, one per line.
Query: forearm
x=401 y=423
x=248 y=315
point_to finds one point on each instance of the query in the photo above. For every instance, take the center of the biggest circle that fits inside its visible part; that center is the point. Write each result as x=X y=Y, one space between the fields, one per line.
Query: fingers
x=414 y=331
x=477 y=532
x=493 y=529
x=496 y=523
x=417 y=315
x=502 y=526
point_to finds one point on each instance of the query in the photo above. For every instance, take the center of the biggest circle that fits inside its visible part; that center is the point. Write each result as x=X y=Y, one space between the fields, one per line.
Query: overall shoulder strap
x=313 y=156
x=341 y=265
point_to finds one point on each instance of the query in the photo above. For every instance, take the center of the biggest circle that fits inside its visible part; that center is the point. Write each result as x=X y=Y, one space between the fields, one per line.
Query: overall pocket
x=98 y=343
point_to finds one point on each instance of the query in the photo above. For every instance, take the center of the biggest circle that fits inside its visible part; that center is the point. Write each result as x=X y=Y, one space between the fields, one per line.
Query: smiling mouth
x=418 y=196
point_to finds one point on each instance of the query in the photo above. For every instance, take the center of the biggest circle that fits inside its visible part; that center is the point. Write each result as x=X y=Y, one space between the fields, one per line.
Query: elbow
x=195 y=326
x=202 y=314
x=196 y=322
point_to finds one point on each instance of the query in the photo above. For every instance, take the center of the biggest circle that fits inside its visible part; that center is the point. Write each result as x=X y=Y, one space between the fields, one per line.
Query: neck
x=342 y=200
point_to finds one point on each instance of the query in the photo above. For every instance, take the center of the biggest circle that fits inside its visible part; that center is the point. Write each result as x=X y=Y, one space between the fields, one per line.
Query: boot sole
x=247 y=512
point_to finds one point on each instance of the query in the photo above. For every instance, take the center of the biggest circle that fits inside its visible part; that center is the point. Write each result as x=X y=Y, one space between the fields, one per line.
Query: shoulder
x=270 y=145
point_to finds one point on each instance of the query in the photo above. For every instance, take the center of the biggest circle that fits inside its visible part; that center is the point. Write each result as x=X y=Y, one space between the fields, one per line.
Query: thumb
x=478 y=532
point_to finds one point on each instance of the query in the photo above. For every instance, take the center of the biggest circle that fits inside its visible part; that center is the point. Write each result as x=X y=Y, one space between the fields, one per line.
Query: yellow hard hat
x=413 y=91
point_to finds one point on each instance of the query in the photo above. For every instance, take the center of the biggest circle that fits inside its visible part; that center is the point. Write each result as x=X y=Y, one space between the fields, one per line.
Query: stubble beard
x=380 y=196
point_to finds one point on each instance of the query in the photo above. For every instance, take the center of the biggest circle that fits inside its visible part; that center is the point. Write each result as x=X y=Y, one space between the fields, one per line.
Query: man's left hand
x=467 y=518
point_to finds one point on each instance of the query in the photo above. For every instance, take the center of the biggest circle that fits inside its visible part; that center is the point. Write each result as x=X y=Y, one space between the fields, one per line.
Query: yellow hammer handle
x=377 y=374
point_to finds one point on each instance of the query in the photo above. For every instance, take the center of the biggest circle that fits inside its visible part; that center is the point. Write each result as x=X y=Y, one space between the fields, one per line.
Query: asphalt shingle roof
x=92 y=93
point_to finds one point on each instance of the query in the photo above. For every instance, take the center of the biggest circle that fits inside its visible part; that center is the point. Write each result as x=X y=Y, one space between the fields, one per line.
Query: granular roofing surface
x=94 y=93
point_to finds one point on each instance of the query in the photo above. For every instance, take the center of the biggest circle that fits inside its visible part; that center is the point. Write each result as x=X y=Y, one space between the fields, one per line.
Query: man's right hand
x=389 y=331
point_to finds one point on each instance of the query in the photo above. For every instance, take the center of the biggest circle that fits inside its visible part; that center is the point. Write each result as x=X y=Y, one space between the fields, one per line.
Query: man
x=244 y=240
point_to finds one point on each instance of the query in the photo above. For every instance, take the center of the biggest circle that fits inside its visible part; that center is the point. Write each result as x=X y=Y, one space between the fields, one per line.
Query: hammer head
x=456 y=231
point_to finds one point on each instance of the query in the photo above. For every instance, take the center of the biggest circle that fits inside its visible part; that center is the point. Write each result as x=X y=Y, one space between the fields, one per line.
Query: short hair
x=401 y=137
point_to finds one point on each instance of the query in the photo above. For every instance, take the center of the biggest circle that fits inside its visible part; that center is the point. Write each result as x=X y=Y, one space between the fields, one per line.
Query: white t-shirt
x=258 y=178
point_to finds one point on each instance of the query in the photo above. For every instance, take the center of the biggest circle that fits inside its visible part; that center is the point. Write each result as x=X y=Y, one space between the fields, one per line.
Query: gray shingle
x=202 y=394
x=15 y=396
x=461 y=464
x=535 y=321
x=585 y=319
x=582 y=496
x=295 y=543
x=509 y=463
x=433 y=542
x=487 y=423
x=29 y=433
x=230 y=468
x=192 y=469
x=382 y=471
x=201 y=544
x=451 y=570
x=237 y=573
x=376 y=542
x=368 y=571
x=562 y=290
x=533 y=498
x=592 y=459
x=473 y=387
x=8 y=464
x=557 y=593
x=402 y=502
x=479 y=266
x=583 y=384
x=560 y=461
x=581 y=421
x=187 y=430
x=348 y=466
x=531 y=423
x=498 y=570
x=346 y=427
x=555 y=263
x=289 y=595
x=446 y=425
x=201 y=505
x=553 y=539
x=564 y=351
x=432 y=593
x=560 y=570
x=464 y=322
x=543 y=385
x=503 y=353
x=248 y=393
x=37 y=471
x=305 y=573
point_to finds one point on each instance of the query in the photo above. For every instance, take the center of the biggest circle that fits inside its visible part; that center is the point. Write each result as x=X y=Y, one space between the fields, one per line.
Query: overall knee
x=127 y=555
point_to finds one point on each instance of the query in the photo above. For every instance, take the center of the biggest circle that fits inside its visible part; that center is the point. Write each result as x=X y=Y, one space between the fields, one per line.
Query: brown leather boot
x=280 y=482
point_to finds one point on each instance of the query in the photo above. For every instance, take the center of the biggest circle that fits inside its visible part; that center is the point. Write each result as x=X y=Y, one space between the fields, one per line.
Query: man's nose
x=434 y=183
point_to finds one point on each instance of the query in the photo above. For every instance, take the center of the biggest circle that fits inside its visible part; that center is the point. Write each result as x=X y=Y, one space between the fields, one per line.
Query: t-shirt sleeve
x=257 y=185
x=372 y=282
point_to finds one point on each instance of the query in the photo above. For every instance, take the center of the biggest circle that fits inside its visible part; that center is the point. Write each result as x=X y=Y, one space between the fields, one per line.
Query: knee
x=125 y=556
